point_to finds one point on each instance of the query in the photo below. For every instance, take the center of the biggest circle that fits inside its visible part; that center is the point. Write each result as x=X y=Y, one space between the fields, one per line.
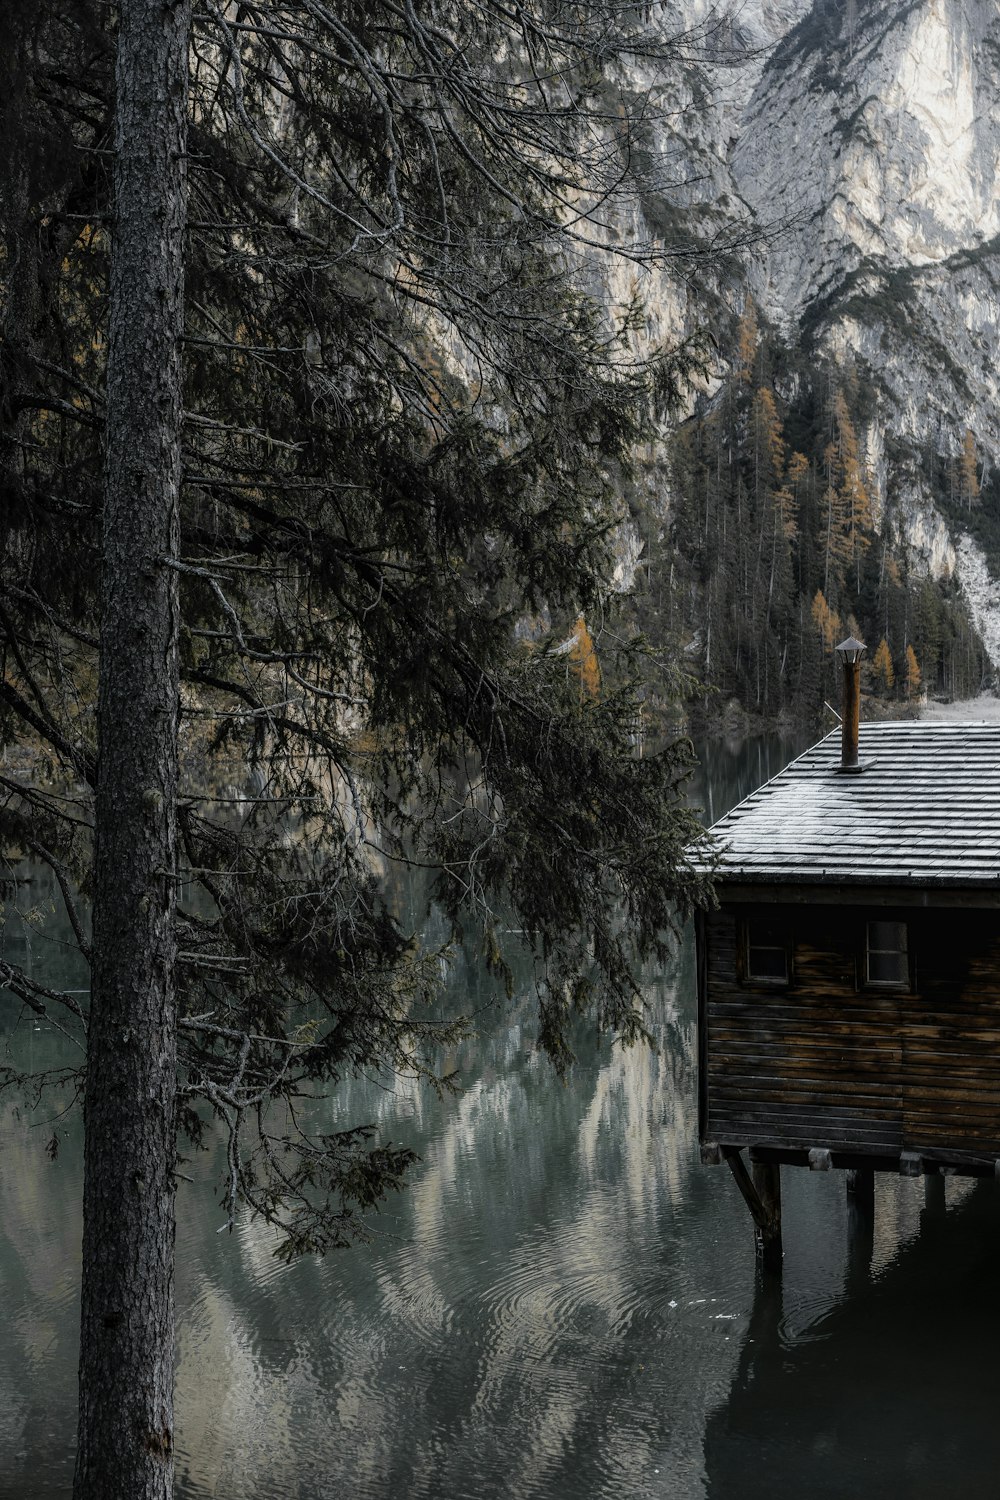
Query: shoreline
x=983 y=709
x=735 y=722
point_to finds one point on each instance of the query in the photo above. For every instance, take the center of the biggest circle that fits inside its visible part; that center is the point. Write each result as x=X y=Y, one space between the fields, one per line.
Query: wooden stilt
x=767 y=1181
x=860 y=1224
x=934 y=1199
x=861 y=1192
x=762 y=1195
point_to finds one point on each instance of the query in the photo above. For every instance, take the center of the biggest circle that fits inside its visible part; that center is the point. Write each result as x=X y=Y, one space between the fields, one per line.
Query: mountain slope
x=871 y=135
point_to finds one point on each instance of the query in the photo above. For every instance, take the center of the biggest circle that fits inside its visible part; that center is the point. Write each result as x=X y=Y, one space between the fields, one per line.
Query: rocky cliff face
x=868 y=136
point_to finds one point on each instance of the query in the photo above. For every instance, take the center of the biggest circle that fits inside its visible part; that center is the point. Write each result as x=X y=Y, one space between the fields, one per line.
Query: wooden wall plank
x=825 y=1062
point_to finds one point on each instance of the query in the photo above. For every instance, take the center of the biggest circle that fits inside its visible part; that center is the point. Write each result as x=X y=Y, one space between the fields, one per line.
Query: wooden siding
x=825 y=1062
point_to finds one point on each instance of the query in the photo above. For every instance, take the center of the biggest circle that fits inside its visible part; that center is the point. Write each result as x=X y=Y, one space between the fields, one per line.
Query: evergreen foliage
x=406 y=426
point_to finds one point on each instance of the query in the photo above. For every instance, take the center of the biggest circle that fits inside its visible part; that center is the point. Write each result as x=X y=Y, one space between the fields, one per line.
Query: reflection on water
x=730 y=769
x=888 y=1390
x=562 y=1304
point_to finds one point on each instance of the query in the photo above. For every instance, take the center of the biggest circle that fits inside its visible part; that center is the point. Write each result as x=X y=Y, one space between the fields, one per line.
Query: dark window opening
x=767 y=953
x=886 y=955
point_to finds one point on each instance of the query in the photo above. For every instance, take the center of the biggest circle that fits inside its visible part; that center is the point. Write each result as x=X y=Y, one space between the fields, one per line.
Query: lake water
x=563 y=1303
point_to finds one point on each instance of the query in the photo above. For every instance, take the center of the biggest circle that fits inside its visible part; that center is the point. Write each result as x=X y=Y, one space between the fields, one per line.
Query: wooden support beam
x=910 y=1164
x=960 y=1163
x=711 y=1154
x=762 y=1195
x=820 y=1159
x=934 y=1199
x=861 y=1192
x=860 y=1224
x=767 y=1182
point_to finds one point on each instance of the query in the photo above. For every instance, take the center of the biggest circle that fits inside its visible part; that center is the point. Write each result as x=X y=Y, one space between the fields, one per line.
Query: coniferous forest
x=772 y=546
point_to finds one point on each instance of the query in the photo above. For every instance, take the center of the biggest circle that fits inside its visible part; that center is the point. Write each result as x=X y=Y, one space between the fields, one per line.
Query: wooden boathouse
x=849 y=982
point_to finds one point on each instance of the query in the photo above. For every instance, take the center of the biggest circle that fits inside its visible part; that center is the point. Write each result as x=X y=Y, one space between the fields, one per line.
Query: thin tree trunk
x=127 y=1329
x=19 y=237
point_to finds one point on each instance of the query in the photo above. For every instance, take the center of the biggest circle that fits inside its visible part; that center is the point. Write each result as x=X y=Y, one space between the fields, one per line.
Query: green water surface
x=562 y=1304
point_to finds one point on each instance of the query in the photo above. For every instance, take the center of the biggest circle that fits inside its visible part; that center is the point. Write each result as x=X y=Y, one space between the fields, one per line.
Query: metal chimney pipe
x=850 y=653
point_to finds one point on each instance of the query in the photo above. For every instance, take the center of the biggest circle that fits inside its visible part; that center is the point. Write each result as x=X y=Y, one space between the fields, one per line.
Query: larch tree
x=968 y=471
x=883 y=673
x=789 y=497
x=826 y=621
x=356 y=418
x=584 y=660
x=769 y=442
x=747 y=344
x=913 y=678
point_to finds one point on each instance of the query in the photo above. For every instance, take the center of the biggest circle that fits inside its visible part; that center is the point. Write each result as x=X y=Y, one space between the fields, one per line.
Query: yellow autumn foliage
x=583 y=660
x=826 y=620
x=913 y=675
x=882 y=670
x=747 y=342
x=769 y=430
x=968 y=475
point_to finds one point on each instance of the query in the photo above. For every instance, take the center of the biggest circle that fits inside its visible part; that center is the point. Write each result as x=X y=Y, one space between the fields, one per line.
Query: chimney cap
x=850 y=651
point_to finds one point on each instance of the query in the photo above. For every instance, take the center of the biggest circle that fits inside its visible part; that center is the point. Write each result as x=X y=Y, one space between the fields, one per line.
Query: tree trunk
x=127 y=1333
x=20 y=236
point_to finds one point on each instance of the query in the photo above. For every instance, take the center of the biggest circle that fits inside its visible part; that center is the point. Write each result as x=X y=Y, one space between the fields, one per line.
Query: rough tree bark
x=127 y=1333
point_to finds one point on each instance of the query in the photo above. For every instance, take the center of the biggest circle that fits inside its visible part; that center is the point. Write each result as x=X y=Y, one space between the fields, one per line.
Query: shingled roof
x=926 y=813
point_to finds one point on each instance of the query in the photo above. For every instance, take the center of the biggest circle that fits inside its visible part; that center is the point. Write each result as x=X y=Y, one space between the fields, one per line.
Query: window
x=887 y=960
x=767 y=954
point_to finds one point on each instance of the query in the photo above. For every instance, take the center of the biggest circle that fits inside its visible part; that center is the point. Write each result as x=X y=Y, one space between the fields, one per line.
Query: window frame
x=903 y=985
x=787 y=947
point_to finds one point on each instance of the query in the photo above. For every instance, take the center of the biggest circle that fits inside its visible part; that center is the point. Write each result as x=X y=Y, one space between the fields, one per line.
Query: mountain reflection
x=549 y=1309
x=507 y=1313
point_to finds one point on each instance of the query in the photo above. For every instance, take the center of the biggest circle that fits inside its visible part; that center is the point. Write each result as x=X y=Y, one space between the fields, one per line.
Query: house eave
x=833 y=891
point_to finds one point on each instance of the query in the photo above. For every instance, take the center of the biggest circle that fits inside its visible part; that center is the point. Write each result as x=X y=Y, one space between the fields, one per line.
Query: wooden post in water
x=934 y=1199
x=861 y=1193
x=860 y=1223
x=762 y=1195
x=767 y=1181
